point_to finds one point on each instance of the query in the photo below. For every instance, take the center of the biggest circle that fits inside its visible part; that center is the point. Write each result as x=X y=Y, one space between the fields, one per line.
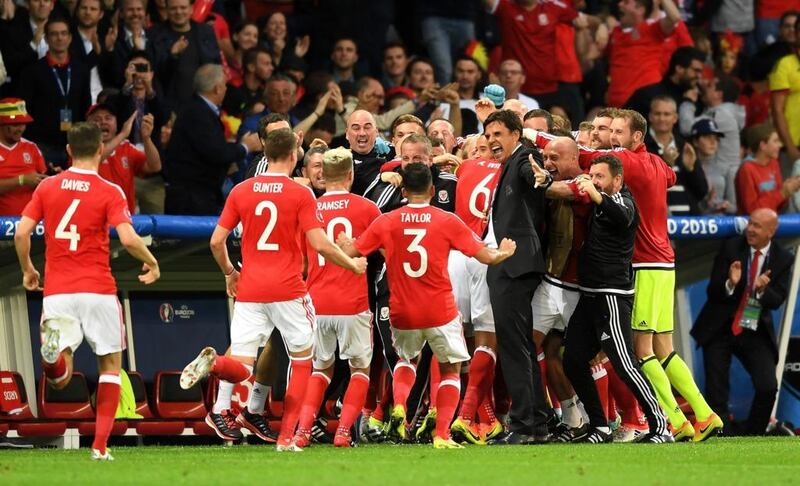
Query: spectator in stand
x=130 y=36
x=22 y=35
x=737 y=17
x=539 y=120
x=344 y=57
x=469 y=76
x=662 y=139
x=447 y=27
x=719 y=96
x=685 y=70
x=749 y=280
x=395 y=62
x=371 y=97
x=770 y=17
x=513 y=79
x=182 y=45
x=56 y=90
x=198 y=158
x=420 y=74
x=244 y=38
x=89 y=45
x=784 y=85
x=22 y=167
x=721 y=197
x=279 y=97
x=276 y=39
x=635 y=47
x=257 y=69
x=404 y=126
x=124 y=160
x=759 y=183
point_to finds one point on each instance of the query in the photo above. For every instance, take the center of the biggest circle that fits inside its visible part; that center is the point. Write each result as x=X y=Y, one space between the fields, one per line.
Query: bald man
x=749 y=279
x=361 y=133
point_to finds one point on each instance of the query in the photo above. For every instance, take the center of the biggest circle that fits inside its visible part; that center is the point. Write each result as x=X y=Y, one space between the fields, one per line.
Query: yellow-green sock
x=658 y=378
x=681 y=378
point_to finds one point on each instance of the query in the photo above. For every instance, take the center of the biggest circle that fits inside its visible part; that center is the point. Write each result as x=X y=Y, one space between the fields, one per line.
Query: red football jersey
x=634 y=60
x=417 y=239
x=21 y=158
x=77 y=207
x=125 y=162
x=275 y=213
x=529 y=36
x=680 y=37
x=334 y=290
x=477 y=180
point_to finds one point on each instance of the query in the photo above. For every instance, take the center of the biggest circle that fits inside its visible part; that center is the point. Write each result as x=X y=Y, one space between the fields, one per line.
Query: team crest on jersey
x=444 y=197
x=27 y=158
x=384 y=313
x=125 y=162
x=543 y=19
x=520 y=18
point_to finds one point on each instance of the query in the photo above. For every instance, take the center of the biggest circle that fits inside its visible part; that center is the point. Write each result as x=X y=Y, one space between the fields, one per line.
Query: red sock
x=295 y=391
x=631 y=413
x=385 y=395
x=601 y=382
x=58 y=371
x=486 y=412
x=435 y=378
x=481 y=370
x=315 y=392
x=107 y=402
x=229 y=369
x=447 y=400
x=371 y=400
x=502 y=400
x=353 y=400
x=404 y=375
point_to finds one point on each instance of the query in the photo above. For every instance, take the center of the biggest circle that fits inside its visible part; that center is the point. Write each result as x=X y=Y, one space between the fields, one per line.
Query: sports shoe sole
x=198 y=368
x=50 y=346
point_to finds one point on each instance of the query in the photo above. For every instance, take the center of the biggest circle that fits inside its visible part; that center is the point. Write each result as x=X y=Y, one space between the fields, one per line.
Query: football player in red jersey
x=80 y=294
x=274 y=211
x=340 y=299
x=417 y=240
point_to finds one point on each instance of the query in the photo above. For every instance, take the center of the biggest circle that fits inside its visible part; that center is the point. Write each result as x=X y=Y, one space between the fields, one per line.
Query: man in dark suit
x=22 y=39
x=750 y=279
x=198 y=157
x=517 y=212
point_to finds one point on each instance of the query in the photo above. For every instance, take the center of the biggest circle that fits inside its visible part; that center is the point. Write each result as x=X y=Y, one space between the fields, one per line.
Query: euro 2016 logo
x=166 y=313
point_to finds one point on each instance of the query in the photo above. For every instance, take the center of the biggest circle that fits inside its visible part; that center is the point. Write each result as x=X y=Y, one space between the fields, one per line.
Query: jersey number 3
x=72 y=234
x=415 y=247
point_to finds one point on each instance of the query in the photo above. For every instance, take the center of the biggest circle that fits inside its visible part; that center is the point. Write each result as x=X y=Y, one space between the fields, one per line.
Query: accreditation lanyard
x=64 y=92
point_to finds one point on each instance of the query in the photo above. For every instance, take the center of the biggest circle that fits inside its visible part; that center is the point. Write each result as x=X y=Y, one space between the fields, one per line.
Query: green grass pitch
x=731 y=461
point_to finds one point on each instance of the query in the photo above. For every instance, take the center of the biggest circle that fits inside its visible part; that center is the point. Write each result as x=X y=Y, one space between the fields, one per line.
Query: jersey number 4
x=415 y=247
x=72 y=234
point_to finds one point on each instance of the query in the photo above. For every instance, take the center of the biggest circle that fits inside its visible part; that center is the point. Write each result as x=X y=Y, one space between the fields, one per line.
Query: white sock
x=582 y=410
x=224 y=392
x=605 y=430
x=258 y=398
x=570 y=414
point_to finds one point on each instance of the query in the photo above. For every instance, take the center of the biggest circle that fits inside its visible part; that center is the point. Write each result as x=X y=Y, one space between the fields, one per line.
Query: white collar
x=425 y=205
x=82 y=171
x=763 y=251
x=334 y=193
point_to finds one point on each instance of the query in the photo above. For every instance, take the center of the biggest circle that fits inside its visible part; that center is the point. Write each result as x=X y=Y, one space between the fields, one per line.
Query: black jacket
x=15 y=39
x=717 y=314
x=388 y=197
x=605 y=259
x=198 y=156
x=518 y=212
x=690 y=188
x=112 y=64
x=365 y=168
x=640 y=99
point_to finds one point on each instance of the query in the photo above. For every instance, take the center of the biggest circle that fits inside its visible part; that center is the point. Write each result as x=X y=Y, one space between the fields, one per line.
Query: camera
x=141 y=67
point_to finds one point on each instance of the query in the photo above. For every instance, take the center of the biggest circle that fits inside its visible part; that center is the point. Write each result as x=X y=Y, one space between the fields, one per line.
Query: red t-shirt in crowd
x=125 y=162
x=477 y=180
x=334 y=290
x=759 y=186
x=529 y=36
x=77 y=207
x=634 y=59
x=275 y=213
x=773 y=9
x=417 y=239
x=569 y=68
x=680 y=37
x=21 y=158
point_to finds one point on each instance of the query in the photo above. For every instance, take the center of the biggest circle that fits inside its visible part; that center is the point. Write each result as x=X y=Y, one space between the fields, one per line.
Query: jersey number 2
x=72 y=234
x=273 y=220
x=415 y=247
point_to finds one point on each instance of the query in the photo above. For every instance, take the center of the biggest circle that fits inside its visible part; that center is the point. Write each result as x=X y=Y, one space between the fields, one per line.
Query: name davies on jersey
x=73 y=185
x=415 y=218
x=268 y=187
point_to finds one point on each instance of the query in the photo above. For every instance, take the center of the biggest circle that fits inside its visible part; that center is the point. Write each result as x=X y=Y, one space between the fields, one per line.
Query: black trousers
x=511 y=305
x=755 y=351
x=603 y=321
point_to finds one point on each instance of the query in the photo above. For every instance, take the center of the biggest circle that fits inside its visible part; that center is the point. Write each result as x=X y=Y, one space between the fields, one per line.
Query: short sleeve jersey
x=334 y=290
x=125 y=162
x=529 y=36
x=21 y=158
x=477 y=180
x=77 y=207
x=417 y=239
x=634 y=59
x=785 y=77
x=275 y=213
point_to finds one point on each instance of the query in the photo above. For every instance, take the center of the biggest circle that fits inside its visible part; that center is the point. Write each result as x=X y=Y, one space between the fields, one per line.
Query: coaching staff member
x=198 y=157
x=749 y=280
x=602 y=318
x=517 y=212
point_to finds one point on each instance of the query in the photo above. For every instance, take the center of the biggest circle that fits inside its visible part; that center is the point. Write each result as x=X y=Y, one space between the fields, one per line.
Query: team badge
x=384 y=313
x=543 y=19
x=27 y=158
x=444 y=197
x=125 y=163
x=519 y=18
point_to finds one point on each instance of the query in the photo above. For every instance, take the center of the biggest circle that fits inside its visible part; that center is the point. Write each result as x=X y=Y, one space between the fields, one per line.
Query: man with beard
x=685 y=69
x=23 y=166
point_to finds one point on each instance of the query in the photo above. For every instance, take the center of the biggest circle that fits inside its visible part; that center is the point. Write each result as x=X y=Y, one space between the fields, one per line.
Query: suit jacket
x=198 y=157
x=15 y=38
x=717 y=314
x=518 y=212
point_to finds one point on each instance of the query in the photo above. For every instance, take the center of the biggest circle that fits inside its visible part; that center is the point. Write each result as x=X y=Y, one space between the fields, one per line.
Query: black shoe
x=565 y=433
x=597 y=437
x=319 y=432
x=224 y=424
x=512 y=438
x=656 y=438
x=256 y=424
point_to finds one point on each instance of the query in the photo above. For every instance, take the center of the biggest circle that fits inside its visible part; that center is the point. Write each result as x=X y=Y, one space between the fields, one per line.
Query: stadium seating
x=150 y=425
x=173 y=402
x=72 y=403
x=24 y=422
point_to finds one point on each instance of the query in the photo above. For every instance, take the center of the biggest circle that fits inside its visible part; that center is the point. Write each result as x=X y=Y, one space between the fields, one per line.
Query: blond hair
x=336 y=164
